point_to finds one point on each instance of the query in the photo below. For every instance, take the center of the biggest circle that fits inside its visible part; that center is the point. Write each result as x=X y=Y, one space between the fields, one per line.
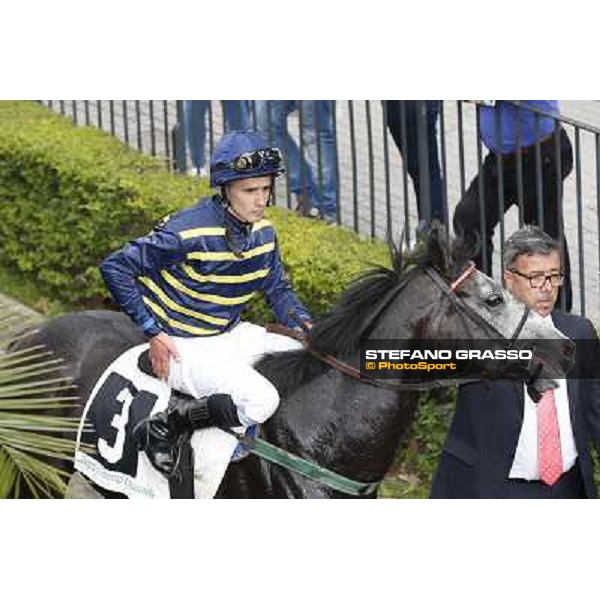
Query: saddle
x=107 y=454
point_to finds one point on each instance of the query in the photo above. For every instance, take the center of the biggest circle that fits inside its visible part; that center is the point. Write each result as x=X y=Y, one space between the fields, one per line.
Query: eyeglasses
x=539 y=279
x=248 y=161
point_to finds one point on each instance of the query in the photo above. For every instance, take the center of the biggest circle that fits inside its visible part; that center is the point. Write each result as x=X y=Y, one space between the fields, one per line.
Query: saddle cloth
x=106 y=452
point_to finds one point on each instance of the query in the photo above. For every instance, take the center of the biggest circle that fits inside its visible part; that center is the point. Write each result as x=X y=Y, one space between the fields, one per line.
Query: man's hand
x=162 y=348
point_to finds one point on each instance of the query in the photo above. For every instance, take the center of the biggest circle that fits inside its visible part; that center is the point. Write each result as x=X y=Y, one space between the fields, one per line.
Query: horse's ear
x=396 y=252
x=464 y=249
x=437 y=246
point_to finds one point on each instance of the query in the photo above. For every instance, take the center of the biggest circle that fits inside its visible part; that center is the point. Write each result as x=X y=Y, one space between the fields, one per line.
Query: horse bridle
x=463 y=310
x=450 y=292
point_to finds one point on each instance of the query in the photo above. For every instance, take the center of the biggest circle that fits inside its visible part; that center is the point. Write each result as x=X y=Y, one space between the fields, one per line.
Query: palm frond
x=34 y=433
x=41 y=403
x=25 y=388
x=20 y=392
x=8 y=474
x=19 y=357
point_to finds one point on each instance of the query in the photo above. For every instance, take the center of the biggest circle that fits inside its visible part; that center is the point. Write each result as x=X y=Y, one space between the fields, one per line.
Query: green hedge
x=320 y=260
x=71 y=195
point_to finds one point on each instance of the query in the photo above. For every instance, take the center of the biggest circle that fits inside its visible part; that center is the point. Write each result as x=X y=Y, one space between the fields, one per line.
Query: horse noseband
x=463 y=277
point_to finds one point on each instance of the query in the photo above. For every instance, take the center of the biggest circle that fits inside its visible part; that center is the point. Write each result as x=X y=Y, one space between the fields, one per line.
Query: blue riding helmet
x=243 y=154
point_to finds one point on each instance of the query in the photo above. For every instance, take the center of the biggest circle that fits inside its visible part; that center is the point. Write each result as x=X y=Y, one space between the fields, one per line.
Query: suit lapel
x=572 y=390
x=519 y=399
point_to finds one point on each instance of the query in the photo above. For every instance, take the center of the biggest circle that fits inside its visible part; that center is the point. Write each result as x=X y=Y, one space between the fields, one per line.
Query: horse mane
x=340 y=331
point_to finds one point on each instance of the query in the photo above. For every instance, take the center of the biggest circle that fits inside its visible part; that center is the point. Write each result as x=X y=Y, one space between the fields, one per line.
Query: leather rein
x=449 y=291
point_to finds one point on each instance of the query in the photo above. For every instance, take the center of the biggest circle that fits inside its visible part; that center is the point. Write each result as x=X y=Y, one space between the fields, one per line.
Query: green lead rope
x=304 y=467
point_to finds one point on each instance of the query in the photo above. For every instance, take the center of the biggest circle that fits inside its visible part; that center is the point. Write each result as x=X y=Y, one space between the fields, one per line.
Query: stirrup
x=176 y=450
x=141 y=437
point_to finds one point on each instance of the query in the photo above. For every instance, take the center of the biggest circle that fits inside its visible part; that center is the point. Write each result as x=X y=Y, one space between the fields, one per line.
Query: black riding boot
x=162 y=435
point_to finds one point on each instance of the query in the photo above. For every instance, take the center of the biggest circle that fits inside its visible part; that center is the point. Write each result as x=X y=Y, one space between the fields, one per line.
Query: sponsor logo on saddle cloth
x=106 y=452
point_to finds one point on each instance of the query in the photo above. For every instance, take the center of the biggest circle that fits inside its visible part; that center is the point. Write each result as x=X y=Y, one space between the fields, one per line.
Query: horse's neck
x=343 y=424
x=340 y=423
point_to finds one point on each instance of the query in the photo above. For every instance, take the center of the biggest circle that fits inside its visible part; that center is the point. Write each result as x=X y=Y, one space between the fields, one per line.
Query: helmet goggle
x=250 y=161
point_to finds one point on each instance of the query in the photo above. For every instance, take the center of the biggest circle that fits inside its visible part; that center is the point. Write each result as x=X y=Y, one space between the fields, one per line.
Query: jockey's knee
x=258 y=410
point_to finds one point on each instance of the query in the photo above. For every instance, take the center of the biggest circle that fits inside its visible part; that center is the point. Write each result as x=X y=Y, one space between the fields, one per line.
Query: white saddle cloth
x=120 y=398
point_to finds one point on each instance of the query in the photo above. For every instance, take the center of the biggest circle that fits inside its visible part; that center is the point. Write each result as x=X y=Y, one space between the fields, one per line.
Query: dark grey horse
x=326 y=416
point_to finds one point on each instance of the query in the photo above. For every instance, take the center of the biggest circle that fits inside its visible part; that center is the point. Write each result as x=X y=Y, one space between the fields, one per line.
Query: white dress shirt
x=525 y=463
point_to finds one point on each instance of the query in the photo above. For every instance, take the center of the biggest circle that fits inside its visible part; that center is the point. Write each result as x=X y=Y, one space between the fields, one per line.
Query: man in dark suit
x=493 y=449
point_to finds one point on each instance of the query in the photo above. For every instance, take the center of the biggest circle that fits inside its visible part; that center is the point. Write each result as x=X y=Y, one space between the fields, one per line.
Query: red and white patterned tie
x=549 y=454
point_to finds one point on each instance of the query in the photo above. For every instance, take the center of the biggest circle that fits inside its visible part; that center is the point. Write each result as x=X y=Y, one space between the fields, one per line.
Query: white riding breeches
x=223 y=364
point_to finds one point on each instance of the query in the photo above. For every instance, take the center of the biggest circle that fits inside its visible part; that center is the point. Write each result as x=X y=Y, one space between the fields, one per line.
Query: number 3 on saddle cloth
x=107 y=453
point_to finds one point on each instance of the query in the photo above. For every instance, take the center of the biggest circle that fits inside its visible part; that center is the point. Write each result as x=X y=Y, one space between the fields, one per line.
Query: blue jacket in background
x=195 y=273
x=515 y=123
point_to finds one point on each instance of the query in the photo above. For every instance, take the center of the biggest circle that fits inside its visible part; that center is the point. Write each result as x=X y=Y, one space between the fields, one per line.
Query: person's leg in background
x=551 y=219
x=555 y=224
x=436 y=188
x=321 y=154
x=271 y=122
x=402 y=117
x=237 y=114
x=195 y=117
x=467 y=219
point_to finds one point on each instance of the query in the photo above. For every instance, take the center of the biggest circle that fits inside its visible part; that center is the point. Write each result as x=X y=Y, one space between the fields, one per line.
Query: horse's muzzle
x=552 y=359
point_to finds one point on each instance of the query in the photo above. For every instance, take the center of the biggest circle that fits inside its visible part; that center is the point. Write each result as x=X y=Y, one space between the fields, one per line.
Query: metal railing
x=376 y=188
x=147 y=125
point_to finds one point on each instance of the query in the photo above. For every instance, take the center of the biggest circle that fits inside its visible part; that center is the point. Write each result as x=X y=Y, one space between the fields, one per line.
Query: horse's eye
x=494 y=300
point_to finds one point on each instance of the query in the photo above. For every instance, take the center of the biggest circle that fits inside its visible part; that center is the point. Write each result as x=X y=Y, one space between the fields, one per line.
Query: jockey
x=186 y=283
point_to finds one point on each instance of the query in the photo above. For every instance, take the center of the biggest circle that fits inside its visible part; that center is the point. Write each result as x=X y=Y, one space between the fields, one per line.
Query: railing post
x=179 y=137
x=423 y=144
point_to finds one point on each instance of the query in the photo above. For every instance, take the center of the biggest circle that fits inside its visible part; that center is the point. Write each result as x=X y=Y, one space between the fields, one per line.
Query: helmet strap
x=224 y=198
x=271 y=199
x=227 y=204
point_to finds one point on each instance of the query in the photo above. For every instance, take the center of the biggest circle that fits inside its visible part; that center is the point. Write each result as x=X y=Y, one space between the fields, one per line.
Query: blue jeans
x=237 y=116
x=411 y=160
x=312 y=173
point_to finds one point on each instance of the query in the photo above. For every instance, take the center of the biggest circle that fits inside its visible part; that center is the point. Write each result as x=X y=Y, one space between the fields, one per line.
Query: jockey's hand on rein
x=162 y=348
